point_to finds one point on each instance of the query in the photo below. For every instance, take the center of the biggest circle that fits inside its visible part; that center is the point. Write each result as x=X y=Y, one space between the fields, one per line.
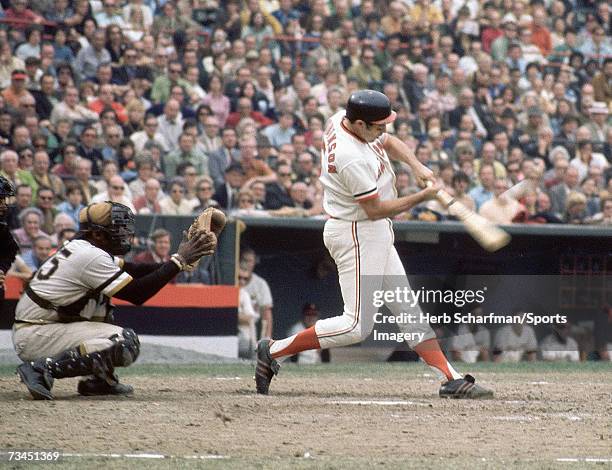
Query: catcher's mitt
x=212 y=220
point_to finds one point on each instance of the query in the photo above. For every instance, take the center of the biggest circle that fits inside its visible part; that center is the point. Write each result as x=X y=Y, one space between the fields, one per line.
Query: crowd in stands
x=172 y=107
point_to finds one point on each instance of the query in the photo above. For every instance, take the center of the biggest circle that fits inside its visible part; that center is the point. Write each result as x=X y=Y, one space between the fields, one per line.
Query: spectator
x=170 y=124
x=115 y=192
x=61 y=222
x=175 y=203
x=281 y=133
x=82 y=175
x=148 y=203
x=89 y=58
x=310 y=315
x=23 y=199
x=149 y=133
x=605 y=216
x=484 y=191
x=259 y=291
x=45 y=198
x=225 y=156
x=515 y=342
x=218 y=102
x=17 y=89
x=576 y=208
x=43 y=177
x=30 y=220
x=73 y=203
x=107 y=100
x=38 y=254
x=159 y=248
x=204 y=193
x=472 y=343
x=186 y=152
x=247 y=317
x=559 y=345
x=559 y=193
x=211 y=142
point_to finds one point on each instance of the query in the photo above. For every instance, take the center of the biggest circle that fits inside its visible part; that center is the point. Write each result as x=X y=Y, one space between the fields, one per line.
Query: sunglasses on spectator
x=284 y=175
x=118 y=188
x=45 y=198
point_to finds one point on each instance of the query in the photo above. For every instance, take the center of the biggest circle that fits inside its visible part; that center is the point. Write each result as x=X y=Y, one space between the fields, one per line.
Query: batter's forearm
x=377 y=209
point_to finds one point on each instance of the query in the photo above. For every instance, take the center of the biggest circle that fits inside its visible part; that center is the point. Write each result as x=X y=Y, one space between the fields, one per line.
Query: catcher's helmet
x=6 y=188
x=112 y=218
x=370 y=106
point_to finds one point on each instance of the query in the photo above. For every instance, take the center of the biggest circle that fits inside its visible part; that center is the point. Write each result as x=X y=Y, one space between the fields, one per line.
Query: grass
x=356 y=369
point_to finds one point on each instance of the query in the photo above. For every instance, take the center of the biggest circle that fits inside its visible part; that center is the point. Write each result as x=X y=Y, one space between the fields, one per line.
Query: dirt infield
x=321 y=417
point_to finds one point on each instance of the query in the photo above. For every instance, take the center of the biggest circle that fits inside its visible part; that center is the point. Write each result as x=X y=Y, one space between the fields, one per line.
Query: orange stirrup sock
x=303 y=341
x=430 y=352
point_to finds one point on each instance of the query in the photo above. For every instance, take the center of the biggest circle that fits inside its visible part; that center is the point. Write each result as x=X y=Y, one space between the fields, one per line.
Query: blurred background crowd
x=172 y=107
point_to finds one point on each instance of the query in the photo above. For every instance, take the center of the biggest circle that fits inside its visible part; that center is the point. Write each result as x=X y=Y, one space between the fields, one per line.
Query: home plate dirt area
x=326 y=416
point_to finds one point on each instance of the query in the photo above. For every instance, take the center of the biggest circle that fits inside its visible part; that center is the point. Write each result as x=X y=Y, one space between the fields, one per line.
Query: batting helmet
x=369 y=106
x=112 y=218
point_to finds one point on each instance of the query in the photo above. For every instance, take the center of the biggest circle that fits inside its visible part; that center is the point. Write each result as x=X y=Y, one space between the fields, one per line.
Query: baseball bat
x=488 y=235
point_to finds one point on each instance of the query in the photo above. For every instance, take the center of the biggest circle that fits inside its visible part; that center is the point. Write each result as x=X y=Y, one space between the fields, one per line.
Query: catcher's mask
x=112 y=218
x=7 y=192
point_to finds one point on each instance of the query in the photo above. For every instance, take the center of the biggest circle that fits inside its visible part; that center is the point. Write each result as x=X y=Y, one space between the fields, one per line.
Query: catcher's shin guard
x=71 y=363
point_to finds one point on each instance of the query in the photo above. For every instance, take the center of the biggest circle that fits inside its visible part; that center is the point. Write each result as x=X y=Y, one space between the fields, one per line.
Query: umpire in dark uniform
x=7 y=242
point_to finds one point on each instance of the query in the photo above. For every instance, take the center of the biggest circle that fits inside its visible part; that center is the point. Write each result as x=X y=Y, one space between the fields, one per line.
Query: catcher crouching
x=63 y=321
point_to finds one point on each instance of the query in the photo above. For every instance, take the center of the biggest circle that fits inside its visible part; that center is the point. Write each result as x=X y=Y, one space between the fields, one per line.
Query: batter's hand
x=422 y=175
x=430 y=191
x=2 y=278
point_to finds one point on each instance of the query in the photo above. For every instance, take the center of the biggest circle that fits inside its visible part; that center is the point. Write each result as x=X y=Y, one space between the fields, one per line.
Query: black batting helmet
x=369 y=106
x=112 y=218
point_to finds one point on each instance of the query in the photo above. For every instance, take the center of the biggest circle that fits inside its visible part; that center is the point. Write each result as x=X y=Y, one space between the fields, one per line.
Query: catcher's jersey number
x=54 y=261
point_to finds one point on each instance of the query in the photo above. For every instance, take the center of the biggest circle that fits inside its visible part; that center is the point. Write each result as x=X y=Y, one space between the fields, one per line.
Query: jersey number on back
x=54 y=265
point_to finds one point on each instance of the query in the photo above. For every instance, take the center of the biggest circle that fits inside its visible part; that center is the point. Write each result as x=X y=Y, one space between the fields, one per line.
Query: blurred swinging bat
x=488 y=235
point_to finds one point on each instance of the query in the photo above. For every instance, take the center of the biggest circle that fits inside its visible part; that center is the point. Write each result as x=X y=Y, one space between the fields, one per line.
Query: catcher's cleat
x=38 y=380
x=266 y=367
x=464 y=388
x=97 y=387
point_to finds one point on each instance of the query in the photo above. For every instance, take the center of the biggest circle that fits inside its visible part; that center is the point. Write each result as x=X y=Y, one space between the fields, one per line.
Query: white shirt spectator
x=247 y=333
x=468 y=344
x=513 y=345
x=554 y=350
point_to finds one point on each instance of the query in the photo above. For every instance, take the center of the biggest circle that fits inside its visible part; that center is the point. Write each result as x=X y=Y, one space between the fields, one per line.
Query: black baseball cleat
x=267 y=367
x=38 y=380
x=464 y=388
x=97 y=387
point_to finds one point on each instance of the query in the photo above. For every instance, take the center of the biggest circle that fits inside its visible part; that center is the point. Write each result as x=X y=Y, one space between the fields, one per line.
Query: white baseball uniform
x=354 y=170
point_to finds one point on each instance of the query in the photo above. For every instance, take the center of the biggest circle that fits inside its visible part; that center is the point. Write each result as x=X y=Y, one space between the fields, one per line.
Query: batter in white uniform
x=360 y=198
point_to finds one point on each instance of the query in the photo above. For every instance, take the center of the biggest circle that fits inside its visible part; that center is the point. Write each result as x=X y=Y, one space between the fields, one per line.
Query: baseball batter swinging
x=360 y=198
x=63 y=323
